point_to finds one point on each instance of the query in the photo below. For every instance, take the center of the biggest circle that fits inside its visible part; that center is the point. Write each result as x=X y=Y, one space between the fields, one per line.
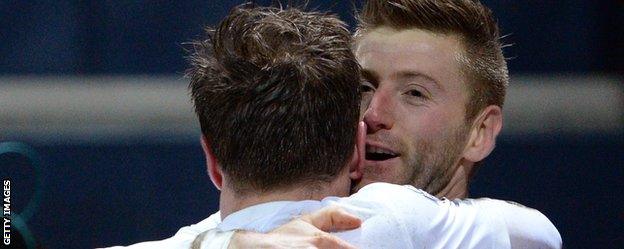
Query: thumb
x=332 y=219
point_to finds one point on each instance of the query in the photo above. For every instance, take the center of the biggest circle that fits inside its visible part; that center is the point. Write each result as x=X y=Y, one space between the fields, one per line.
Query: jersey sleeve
x=429 y=222
x=527 y=227
x=184 y=236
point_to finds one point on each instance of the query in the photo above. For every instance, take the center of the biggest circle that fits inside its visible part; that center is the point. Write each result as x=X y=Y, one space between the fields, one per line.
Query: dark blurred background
x=96 y=89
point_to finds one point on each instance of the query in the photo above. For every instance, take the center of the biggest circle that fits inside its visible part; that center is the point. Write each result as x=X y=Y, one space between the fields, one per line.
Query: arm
x=308 y=231
x=482 y=223
x=527 y=227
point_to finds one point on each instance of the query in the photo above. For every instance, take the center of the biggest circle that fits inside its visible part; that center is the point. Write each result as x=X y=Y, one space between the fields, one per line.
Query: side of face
x=414 y=104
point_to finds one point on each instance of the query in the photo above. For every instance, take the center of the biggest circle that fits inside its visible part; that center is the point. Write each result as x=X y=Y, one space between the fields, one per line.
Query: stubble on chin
x=429 y=167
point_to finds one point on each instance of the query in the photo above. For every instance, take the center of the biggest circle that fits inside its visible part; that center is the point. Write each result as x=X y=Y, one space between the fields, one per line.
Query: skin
x=414 y=105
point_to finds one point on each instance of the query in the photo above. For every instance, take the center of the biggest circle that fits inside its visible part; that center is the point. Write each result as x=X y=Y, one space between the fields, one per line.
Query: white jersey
x=393 y=217
x=183 y=238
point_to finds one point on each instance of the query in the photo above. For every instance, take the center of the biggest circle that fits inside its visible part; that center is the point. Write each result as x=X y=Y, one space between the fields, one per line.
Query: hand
x=308 y=231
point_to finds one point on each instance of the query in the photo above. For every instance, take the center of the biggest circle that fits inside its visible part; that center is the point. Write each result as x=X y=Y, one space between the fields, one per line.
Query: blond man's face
x=413 y=102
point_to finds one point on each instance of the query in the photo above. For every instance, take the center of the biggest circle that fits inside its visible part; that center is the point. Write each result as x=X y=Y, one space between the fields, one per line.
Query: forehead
x=385 y=50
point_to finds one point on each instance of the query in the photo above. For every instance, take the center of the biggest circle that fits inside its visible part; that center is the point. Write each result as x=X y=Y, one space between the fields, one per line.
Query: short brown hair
x=276 y=93
x=482 y=60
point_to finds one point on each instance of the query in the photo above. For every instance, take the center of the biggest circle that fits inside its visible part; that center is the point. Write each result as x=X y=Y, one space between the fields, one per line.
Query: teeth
x=379 y=151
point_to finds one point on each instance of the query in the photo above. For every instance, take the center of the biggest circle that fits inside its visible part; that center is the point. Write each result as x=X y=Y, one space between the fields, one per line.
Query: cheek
x=425 y=125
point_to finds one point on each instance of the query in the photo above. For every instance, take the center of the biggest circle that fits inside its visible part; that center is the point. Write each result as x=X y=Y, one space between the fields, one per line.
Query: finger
x=331 y=219
x=327 y=240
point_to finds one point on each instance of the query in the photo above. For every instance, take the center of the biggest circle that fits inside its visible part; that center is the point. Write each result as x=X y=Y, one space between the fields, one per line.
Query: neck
x=458 y=185
x=231 y=201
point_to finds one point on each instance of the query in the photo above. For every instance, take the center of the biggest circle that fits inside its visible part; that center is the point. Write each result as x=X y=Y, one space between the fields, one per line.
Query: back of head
x=482 y=61
x=276 y=94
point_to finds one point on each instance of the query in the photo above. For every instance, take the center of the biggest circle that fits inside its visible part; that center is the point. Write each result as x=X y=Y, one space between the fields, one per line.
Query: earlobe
x=483 y=135
x=216 y=176
x=355 y=170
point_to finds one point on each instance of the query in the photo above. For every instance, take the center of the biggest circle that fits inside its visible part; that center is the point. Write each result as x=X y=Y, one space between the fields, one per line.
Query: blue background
x=131 y=191
x=144 y=37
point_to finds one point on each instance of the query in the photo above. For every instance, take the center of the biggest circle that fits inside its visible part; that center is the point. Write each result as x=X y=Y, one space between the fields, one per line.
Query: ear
x=216 y=176
x=484 y=131
x=359 y=154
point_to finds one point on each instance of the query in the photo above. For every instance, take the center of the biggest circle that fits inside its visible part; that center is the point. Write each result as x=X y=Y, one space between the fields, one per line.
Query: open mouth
x=374 y=153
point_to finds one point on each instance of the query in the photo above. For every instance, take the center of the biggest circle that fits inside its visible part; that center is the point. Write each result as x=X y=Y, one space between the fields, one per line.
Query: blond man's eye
x=415 y=93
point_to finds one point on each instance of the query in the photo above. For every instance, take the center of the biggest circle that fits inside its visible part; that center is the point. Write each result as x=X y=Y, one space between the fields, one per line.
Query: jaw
x=457 y=186
x=451 y=182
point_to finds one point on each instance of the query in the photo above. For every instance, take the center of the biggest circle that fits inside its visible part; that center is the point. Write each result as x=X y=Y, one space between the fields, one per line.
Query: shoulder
x=396 y=200
x=403 y=203
x=383 y=192
x=209 y=223
x=527 y=227
x=512 y=212
x=421 y=218
x=183 y=238
x=390 y=213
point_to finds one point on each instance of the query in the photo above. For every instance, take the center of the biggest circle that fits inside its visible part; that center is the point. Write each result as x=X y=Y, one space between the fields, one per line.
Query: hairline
x=461 y=57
